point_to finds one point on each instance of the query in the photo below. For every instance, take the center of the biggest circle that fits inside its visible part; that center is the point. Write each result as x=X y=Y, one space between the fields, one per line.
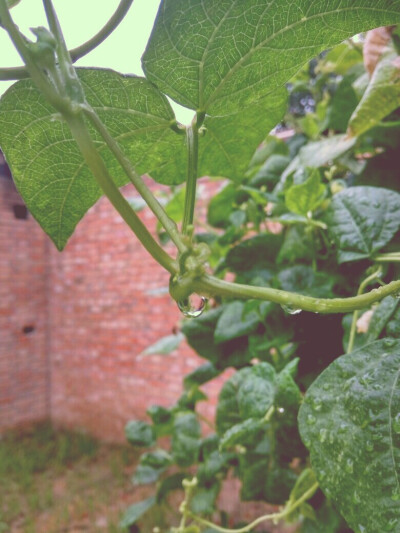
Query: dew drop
x=291 y=310
x=349 y=466
x=323 y=433
x=356 y=497
x=391 y=525
x=189 y=311
x=369 y=446
x=281 y=410
x=388 y=343
x=361 y=529
x=396 y=423
x=311 y=420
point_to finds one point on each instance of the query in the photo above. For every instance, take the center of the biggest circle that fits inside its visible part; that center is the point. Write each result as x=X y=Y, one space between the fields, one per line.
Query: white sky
x=80 y=20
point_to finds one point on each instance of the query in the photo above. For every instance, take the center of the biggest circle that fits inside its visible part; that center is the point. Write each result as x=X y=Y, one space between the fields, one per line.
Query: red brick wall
x=96 y=306
x=24 y=383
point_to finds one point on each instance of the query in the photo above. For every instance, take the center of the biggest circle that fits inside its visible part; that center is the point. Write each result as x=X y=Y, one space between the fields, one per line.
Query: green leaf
x=304 y=280
x=136 y=511
x=342 y=105
x=139 y=433
x=393 y=326
x=151 y=466
x=185 y=443
x=165 y=345
x=169 y=484
x=350 y=421
x=381 y=316
x=242 y=433
x=47 y=165
x=259 y=251
x=227 y=54
x=204 y=499
x=145 y=475
x=306 y=197
x=201 y=375
x=320 y=153
x=247 y=394
x=221 y=206
x=271 y=171
x=229 y=141
x=380 y=98
x=232 y=323
x=361 y=220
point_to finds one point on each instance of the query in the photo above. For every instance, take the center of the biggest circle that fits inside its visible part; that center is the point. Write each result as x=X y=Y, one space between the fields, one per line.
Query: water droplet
x=281 y=410
x=369 y=446
x=291 y=310
x=396 y=423
x=316 y=404
x=311 y=420
x=361 y=529
x=323 y=433
x=326 y=386
x=388 y=343
x=189 y=311
x=356 y=497
x=349 y=466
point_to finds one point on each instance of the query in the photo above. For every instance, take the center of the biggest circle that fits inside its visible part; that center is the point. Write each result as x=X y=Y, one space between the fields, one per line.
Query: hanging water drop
x=349 y=466
x=311 y=420
x=369 y=446
x=396 y=494
x=323 y=433
x=191 y=311
x=389 y=343
x=291 y=310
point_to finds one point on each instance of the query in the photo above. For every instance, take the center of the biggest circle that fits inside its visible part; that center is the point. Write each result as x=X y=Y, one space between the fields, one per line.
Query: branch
x=19 y=73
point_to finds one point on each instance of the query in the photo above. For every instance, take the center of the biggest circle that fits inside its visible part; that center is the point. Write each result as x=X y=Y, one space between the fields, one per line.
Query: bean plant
x=305 y=225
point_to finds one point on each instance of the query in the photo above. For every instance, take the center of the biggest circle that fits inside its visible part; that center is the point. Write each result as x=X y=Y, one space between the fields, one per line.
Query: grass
x=58 y=481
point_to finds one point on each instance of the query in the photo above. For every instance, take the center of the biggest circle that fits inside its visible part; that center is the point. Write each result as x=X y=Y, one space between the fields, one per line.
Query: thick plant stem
x=168 y=224
x=211 y=286
x=192 y=140
x=275 y=516
x=94 y=161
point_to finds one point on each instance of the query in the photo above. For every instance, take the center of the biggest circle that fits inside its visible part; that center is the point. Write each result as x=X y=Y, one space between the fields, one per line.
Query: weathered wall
x=95 y=307
x=24 y=378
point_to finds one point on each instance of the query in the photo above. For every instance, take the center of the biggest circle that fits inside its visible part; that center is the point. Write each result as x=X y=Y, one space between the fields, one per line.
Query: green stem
x=168 y=224
x=393 y=257
x=96 y=164
x=105 y=31
x=192 y=140
x=274 y=516
x=211 y=286
x=361 y=288
x=18 y=73
x=38 y=76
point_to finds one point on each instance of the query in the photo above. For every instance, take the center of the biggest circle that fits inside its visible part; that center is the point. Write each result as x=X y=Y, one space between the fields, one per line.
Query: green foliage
x=350 y=420
x=312 y=216
x=362 y=220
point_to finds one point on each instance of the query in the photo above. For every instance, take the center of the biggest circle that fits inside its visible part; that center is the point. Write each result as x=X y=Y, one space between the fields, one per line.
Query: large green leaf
x=381 y=97
x=350 y=421
x=47 y=165
x=221 y=56
x=361 y=220
x=307 y=196
x=135 y=511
